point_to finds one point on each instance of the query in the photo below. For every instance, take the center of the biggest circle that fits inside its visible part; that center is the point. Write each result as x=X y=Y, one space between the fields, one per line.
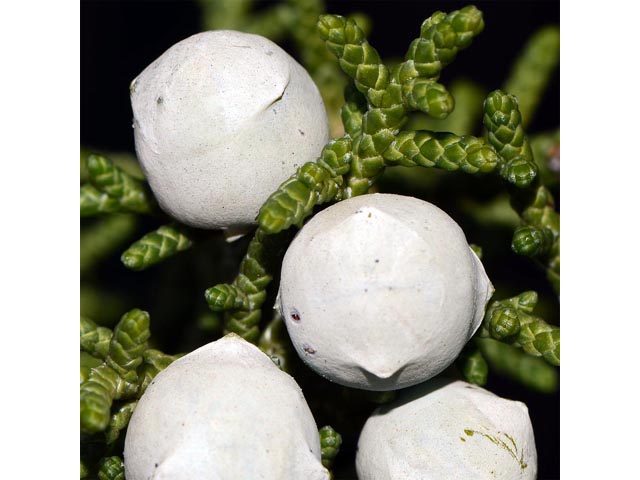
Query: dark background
x=119 y=39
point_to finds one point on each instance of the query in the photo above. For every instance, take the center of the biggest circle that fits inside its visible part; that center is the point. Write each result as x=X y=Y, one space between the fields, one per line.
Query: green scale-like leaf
x=242 y=300
x=111 y=468
x=116 y=378
x=473 y=365
x=313 y=184
x=119 y=421
x=330 y=442
x=539 y=235
x=511 y=321
x=111 y=189
x=155 y=247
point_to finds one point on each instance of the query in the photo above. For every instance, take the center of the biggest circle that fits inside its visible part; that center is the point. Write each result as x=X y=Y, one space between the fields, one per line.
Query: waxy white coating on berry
x=224 y=411
x=221 y=119
x=381 y=292
x=448 y=431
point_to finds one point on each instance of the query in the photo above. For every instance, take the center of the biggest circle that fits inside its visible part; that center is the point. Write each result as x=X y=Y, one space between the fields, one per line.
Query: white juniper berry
x=220 y=120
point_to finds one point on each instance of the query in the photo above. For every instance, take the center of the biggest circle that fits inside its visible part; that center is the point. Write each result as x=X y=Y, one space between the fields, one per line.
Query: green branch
x=94 y=202
x=532 y=372
x=473 y=365
x=441 y=150
x=111 y=468
x=111 y=189
x=156 y=246
x=539 y=234
x=330 y=442
x=353 y=110
x=119 y=421
x=506 y=134
x=242 y=300
x=313 y=184
x=373 y=117
x=116 y=378
x=101 y=239
x=391 y=97
x=94 y=339
x=532 y=70
x=511 y=321
x=463 y=119
x=115 y=366
x=87 y=362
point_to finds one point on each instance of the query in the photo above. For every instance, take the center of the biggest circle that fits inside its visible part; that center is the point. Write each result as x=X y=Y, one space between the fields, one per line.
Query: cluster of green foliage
x=391 y=116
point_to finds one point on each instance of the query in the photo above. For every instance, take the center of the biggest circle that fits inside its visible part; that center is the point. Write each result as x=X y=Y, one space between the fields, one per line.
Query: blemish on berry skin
x=308 y=349
x=159 y=100
x=295 y=315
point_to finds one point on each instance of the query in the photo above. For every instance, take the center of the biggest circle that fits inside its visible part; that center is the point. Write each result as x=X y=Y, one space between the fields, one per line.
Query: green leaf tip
x=94 y=339
x=226 y=297
x=511 y=321
x=506 y=134
x=532 y=241
x=130 y=339
x=428 y=97
x=330 y=442
x=111 y=468
x=442 y=150
x=242 y=300
x=520 y=172
x=539 y=235
x=116 y=377
x=111 y=189
x=118 y=421
x=155 y=247
x=313 y=184
x=124 y=371
x=442 y=36
x=473 y=366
